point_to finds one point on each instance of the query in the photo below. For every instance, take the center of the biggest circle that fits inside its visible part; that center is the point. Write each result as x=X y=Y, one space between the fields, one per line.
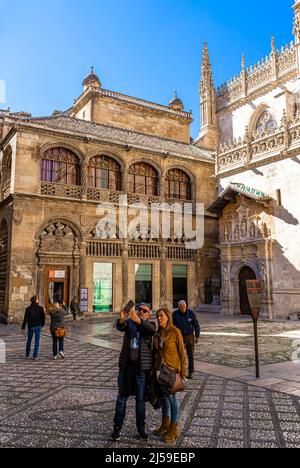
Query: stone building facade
x=256 y=117
x=56 y=171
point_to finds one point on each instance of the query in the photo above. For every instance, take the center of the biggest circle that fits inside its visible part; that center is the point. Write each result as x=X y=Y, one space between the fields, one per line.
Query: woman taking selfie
x=169 y=351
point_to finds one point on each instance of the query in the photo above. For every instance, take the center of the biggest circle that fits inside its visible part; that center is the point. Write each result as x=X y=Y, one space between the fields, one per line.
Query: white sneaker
x=62 y=355
x=55 y=358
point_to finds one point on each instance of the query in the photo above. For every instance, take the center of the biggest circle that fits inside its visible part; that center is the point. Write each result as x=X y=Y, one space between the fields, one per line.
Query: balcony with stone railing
x=60 y=190
x=77 y=192
x=268 y=72
x=257 y=147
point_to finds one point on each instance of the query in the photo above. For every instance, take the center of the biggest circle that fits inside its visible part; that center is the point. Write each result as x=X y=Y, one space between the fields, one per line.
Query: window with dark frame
x=60 y=166
x=104 y=173
x=178 y=185
x=143 y=179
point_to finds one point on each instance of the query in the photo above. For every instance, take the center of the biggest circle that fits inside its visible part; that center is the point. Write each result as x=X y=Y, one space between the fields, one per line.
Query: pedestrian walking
x=186 y=321
x=135 y=365
x=169 y=353
x=35 y=320
x=74 y=309
x=58 y=329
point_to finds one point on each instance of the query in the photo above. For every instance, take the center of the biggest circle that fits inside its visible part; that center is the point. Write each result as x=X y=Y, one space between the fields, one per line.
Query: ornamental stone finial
x=243 y=62
x=273 y=44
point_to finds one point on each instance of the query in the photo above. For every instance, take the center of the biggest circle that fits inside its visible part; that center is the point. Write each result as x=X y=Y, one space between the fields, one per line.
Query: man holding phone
x=135 y=365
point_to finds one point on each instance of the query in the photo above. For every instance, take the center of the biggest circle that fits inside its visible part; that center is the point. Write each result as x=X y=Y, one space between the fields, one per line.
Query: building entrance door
x=245 y=274
x=56 y=286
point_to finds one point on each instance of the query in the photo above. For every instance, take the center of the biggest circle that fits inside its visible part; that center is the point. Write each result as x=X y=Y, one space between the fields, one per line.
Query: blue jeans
x=140 y=402
x=170 y=405
x=36 y=331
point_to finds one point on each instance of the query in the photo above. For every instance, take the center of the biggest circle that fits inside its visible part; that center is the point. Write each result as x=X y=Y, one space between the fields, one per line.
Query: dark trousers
x=36 y=331
x=55 y=342
x=140 y=402
x=189 y=342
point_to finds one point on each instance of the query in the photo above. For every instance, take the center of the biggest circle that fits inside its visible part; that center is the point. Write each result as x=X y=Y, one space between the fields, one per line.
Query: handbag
x=60 y=332
x=170 y=380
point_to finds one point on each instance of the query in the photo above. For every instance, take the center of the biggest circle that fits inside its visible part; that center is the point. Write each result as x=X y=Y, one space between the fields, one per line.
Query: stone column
x=40 y=287
x=163 y=274
x=162 y=188
x=84 y=172
x=82 y=265
x=125 y=180
x=125 y=274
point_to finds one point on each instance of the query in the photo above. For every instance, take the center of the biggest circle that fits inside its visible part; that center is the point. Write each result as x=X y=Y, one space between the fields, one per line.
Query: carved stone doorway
x=245 y=274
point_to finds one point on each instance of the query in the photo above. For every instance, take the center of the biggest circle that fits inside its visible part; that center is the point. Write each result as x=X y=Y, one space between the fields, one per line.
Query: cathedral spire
x=208 y=130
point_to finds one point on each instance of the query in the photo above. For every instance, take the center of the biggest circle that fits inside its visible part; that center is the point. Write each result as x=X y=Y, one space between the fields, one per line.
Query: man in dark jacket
x=35 y=319
x=185 y=319
x=135 y=364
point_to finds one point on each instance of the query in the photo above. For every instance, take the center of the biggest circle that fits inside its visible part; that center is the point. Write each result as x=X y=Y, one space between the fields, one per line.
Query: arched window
x=60 y=166
x=104 y=173
x=143 y=179
x=266 y=122
x=178 y=185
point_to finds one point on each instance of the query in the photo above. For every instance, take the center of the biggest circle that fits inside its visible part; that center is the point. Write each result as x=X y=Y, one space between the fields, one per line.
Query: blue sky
x=144 y=48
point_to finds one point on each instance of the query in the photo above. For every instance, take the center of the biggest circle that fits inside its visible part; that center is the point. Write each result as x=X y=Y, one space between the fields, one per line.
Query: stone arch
x=257 y=114
x=237 y=268
x=187 y=172
x=65 y=145
x=110 y=154
x=146 y=160
x=62 y=220
x=60 y=245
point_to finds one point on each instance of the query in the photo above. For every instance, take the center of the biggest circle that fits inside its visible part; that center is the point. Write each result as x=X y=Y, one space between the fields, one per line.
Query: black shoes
x=142 y=435
x=191 y=376
x=116 y=435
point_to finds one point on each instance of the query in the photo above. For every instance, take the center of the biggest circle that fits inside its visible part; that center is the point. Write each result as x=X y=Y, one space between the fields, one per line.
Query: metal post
x=256 y=349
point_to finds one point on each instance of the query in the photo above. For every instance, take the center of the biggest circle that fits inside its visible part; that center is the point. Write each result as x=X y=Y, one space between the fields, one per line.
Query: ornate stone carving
x=265 y=72
x=225 y=281
x=84 y=220
x=264 y=278
x=57 y=237
x=18 y=215
x=244 y=228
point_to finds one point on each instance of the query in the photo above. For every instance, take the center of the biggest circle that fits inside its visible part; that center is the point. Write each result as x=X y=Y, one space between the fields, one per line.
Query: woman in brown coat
x=169 y=350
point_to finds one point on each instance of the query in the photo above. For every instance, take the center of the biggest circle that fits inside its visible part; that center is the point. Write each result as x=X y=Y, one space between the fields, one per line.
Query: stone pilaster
x=84 y=182
x=125 y=274
x=163 y=275
x=83 y=265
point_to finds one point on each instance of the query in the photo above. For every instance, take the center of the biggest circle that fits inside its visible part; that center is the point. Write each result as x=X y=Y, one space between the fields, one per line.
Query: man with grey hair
x=186 y=321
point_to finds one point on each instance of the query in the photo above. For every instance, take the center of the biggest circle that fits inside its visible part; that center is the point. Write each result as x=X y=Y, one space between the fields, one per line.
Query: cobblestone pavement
x=71 y=403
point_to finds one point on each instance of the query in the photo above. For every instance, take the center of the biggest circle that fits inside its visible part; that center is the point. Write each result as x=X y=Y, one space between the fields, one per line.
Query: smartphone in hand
x=129 y=307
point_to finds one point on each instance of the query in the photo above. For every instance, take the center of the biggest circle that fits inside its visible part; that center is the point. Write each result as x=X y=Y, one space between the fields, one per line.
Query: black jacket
x=147 y=330
x=187 y=323
x=34 y=317
x=58 y=319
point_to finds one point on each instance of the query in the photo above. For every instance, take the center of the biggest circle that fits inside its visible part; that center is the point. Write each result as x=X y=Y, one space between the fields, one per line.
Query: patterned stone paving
x=71 y=403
